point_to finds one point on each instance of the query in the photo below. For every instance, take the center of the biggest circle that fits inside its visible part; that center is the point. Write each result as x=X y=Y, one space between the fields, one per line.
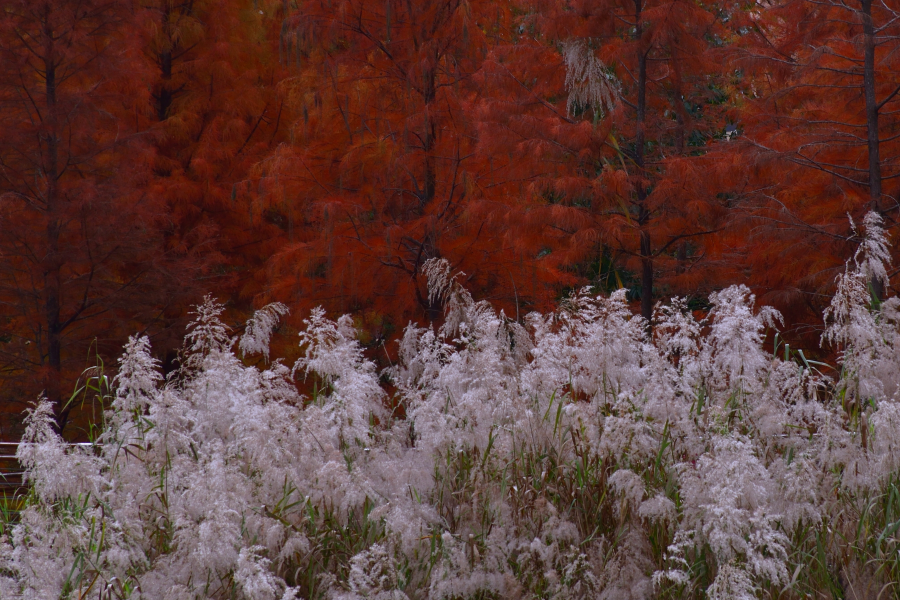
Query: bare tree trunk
x=165 y=96
x=434 y=310
x=871 y=107
x=643 y=214
x=429 y=92
x=52 y=260
x=871 y=120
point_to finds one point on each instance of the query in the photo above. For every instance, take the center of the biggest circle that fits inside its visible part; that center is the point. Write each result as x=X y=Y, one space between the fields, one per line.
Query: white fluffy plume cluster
x=572 y=456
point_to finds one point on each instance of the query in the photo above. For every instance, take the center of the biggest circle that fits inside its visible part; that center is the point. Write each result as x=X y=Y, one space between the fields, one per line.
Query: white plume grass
x=575 y=456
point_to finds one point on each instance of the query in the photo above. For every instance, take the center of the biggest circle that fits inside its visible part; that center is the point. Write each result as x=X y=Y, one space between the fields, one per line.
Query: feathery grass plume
x=259 y=328
x=868 y=335
x=588 y=80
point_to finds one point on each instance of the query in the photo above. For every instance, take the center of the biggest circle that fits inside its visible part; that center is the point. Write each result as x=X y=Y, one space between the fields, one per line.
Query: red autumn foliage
x=613 y=106
x=818 y=146
x=319 y=152
x=387 y=170
x=81 y=240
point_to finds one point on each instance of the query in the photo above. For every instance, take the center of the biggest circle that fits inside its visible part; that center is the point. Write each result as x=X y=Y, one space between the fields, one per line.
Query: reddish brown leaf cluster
x=319 y=152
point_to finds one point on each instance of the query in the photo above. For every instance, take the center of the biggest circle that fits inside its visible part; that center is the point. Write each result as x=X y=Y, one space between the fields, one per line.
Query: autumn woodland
x=318 y=153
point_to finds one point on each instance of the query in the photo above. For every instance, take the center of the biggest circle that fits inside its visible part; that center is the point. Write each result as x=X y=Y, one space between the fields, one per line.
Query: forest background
x=318 y=153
